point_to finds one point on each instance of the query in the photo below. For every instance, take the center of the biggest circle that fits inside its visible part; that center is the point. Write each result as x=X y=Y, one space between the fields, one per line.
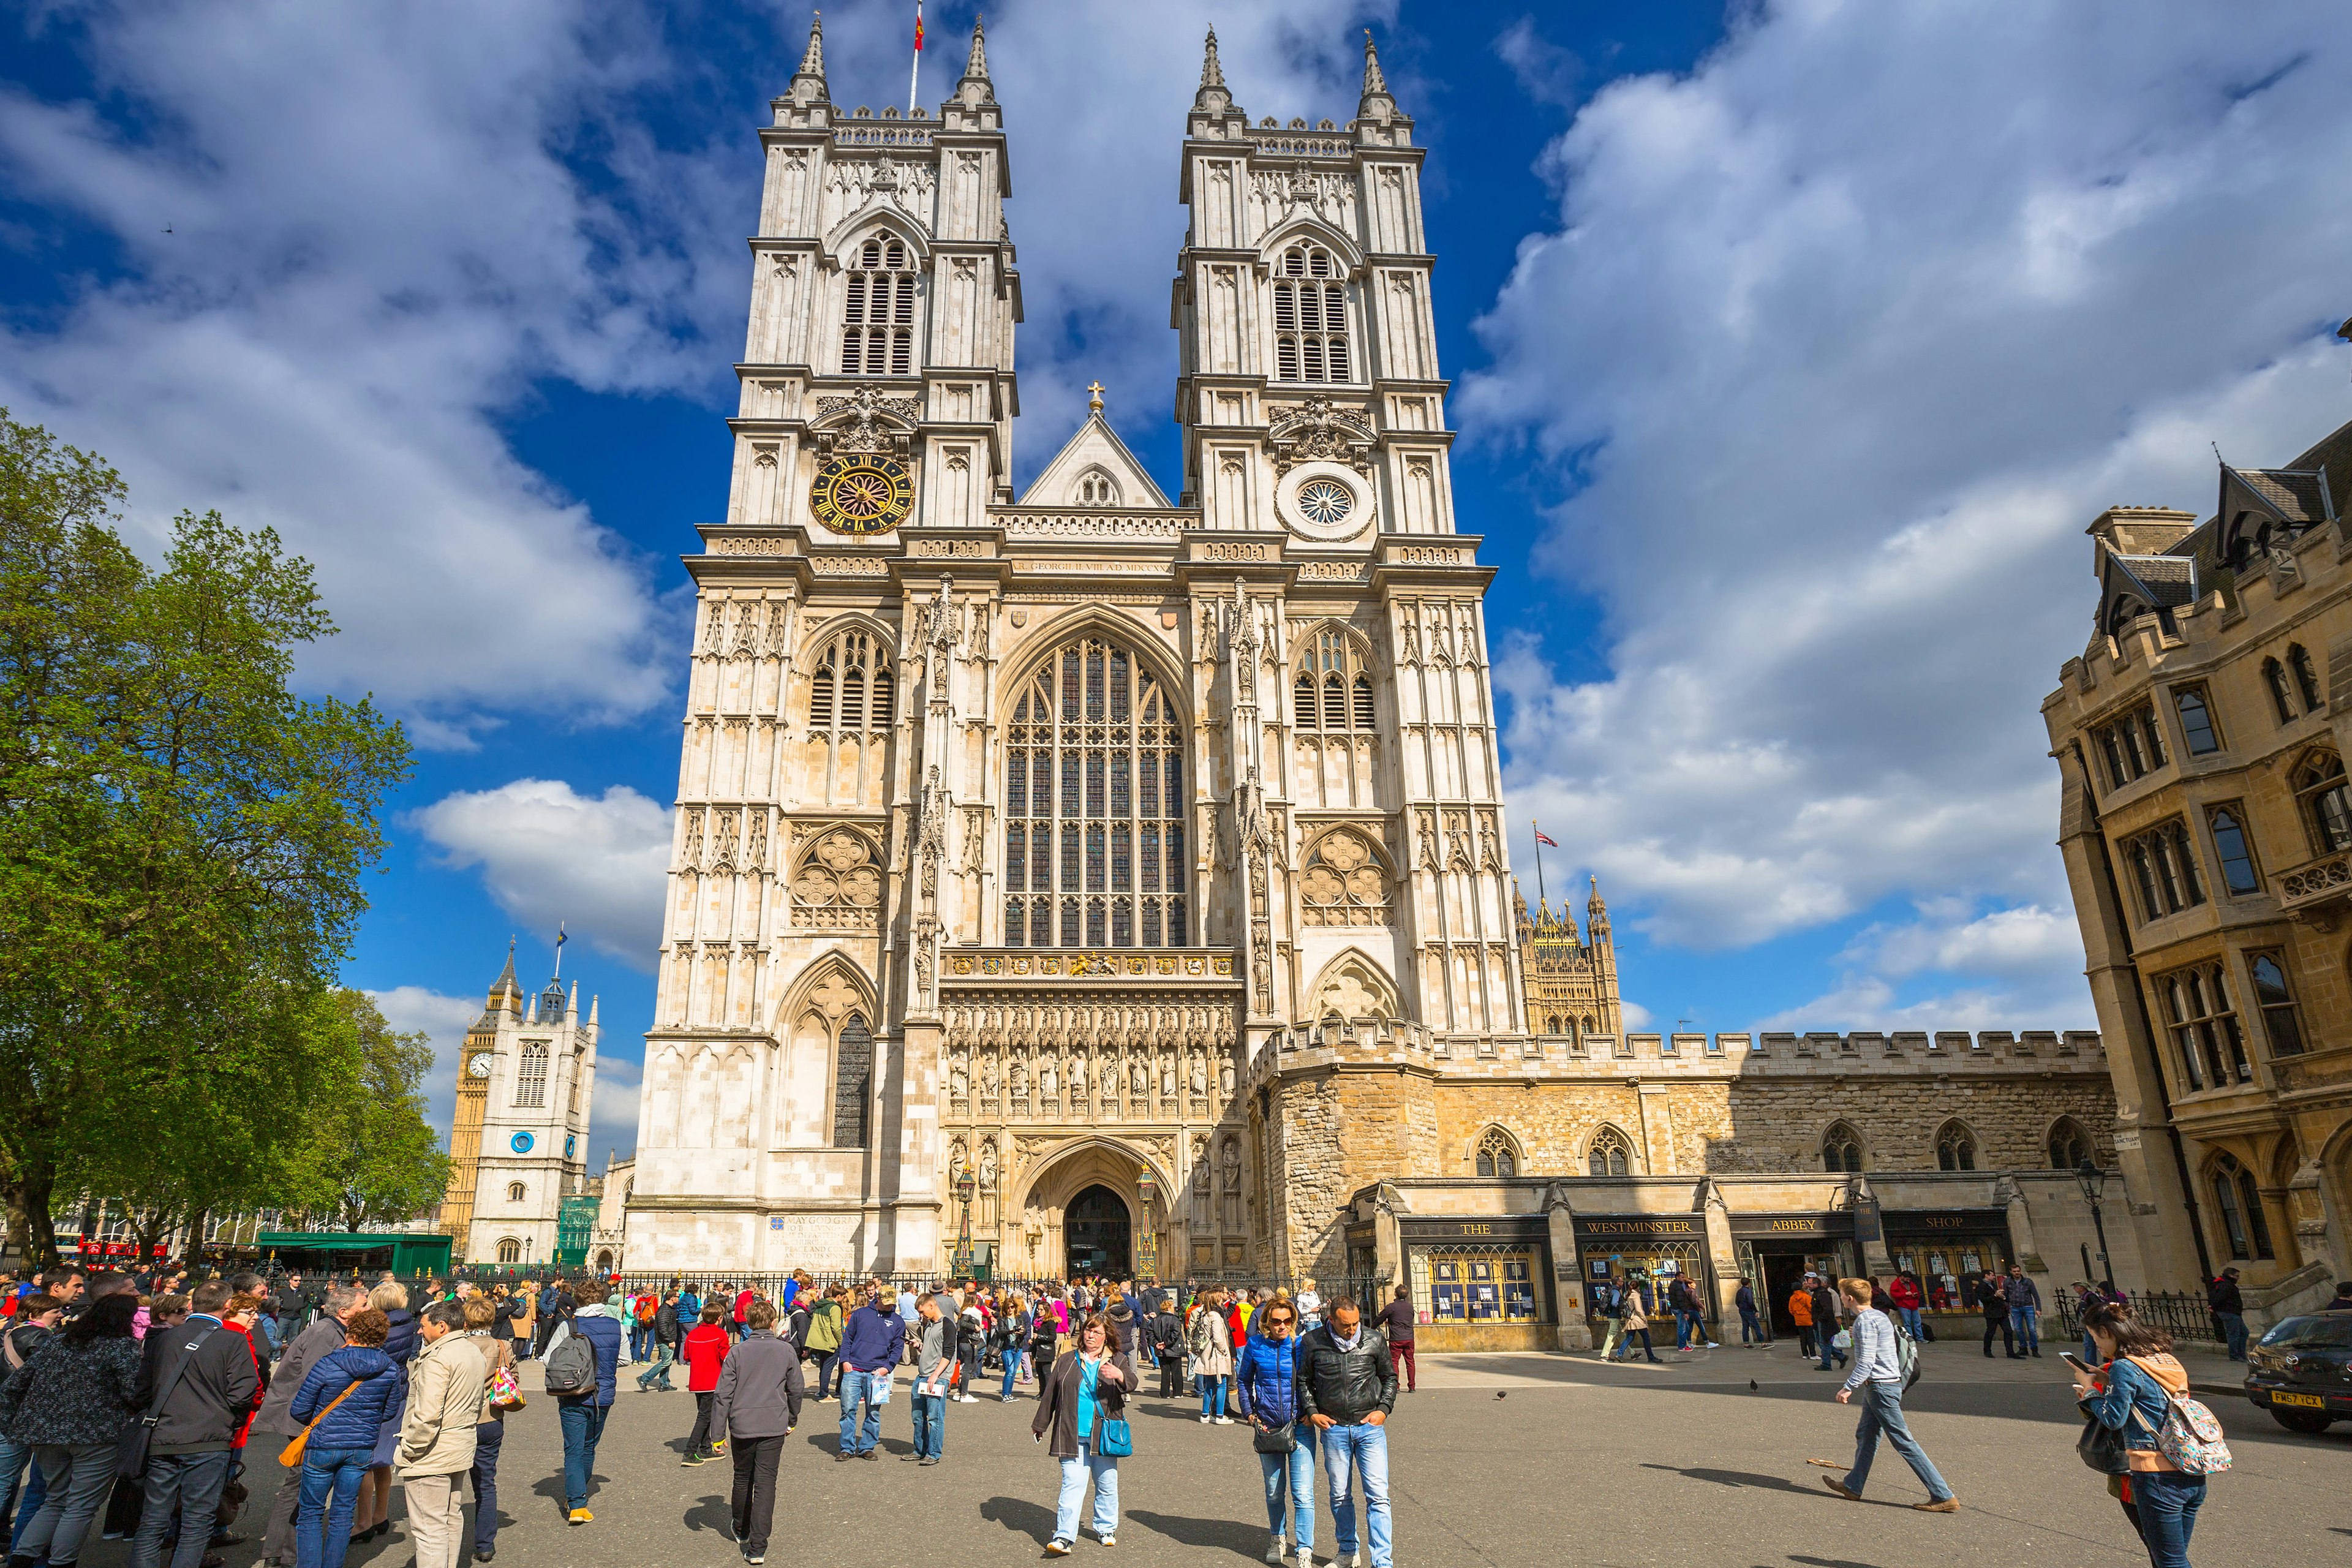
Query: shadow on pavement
x=1829 y=1561
x=1022 y=1517
x=1738 y=1479
x=1230 y=1533
x=710 y=1513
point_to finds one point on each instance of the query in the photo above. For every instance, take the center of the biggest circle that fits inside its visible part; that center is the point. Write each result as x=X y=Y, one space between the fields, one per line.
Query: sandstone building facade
x=1100 y=882
x=2208 y=834
x=518 y=1142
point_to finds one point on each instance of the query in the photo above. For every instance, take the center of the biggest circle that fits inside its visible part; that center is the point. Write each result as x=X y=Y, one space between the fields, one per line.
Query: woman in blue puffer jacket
x=335 y=1458
x=372 y=1519
x=1267 y=1377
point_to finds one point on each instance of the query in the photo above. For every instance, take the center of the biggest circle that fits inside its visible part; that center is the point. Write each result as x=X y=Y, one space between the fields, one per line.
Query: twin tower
x=1012 y=831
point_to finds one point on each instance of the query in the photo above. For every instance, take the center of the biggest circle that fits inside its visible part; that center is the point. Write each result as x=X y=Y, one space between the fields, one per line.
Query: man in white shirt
x=1878 y=1378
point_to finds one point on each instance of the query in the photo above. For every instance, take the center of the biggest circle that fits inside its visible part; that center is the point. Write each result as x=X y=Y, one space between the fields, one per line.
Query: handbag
x=1282 y=1440
x=291 y=1454
x=506 y=1394
x=2101 y=1446
x=1117 y=1440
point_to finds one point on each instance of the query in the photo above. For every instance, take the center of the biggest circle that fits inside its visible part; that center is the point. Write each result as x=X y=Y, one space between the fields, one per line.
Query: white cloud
x=1839 y=342
x=549 y=854
x=445 y=1020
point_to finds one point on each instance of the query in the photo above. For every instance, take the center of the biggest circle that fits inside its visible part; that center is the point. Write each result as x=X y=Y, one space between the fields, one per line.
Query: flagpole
x=1540 y=883
x=915 y=66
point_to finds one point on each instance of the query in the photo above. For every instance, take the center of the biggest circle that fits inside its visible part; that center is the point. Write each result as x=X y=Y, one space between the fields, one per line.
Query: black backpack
x=571 y=1369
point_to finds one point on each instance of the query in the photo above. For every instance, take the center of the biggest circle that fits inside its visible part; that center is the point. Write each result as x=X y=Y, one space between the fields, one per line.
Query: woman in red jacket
x=704 y=1350
x=1904 y=1289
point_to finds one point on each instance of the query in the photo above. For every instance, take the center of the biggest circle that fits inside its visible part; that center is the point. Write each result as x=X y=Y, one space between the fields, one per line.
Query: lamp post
x=965 y=1186
x=2093 y=1182
x=1146 y=1261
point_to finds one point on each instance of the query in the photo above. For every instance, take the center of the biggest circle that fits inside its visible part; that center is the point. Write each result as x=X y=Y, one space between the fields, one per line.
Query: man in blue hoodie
x=583 y=1415
x=871 y=1344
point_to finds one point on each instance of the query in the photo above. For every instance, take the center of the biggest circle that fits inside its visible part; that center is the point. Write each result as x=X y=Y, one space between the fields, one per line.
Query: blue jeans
x=14 y=1458
x=1292 y=1472
x=857 y=1389
x=1075 y=1474
x=2233 y=1329
x=78 y=1476
x=1213 y=1396
x=1012 y=1367
x=931 y=1425
x=2022 y=1322
x=584 y=1423
x=182 y=1493
x=1751 y=1327
x=1882 y=1412
x=28 y=1504
x=1363 y=1450
x=490 y=1436
x=640 y=1336
x=330 y=1491
x=665 y=1356
x=2168 y=1503
x=1911 y=1322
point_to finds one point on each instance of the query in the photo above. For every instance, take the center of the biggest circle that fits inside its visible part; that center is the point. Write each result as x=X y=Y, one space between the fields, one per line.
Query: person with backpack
x=666 y=1337
x=1212 y=1344
x=1880 y=1374
x=705 y=1350
x=642 y=1309
x=1609 y=1297
x=1167 y=1345
x=584 y=1363
x=1751 y=1325
x=823 y=1340
x=1042 y=1336
x=2171 y=1442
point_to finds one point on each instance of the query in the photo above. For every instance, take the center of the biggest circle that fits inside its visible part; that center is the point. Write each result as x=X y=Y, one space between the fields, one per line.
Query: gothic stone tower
x=1571 y=985
x=1014 y=835
x=519 y=1144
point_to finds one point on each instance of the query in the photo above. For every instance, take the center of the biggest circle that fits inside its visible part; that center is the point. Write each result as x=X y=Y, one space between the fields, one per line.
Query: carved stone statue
x=1049 y=1082
x=1226 y=1076
x=988 y=1165
x=1078 y=1075
x=1135 y=1082
x=1019 y=1078
x=1200 y=1074
x=958 y=1084
x=988 y=1076
x=1167 y=1077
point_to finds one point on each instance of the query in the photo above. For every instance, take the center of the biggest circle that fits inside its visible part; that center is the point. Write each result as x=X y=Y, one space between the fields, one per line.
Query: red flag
x=1541 y=837
x=919 y=28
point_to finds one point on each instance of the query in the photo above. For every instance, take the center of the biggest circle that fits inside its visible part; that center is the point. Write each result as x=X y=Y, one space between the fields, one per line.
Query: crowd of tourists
x=129 y=1404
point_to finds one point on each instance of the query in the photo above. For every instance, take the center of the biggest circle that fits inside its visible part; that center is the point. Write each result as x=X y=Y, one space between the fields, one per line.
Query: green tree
x=181 y=839
x=369 y=1156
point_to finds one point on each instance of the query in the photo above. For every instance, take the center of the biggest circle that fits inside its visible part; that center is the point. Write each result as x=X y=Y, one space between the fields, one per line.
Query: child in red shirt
x=704 y=1350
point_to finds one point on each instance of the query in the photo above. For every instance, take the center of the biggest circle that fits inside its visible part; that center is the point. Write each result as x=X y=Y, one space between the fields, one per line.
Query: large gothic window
x=852 y=701
x=1095 y=802
x=853 y=1076
x=1841 y=1150
x=1310 y=316
x=531 y=1083
x=1956 y=1148
x=1498 y=1154
x=2319 y=787
x=1333 y=691
x=1609 y=1155
x=878 y=336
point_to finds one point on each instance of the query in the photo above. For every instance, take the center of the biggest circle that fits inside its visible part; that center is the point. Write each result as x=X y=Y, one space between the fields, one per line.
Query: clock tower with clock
x=518 y=1144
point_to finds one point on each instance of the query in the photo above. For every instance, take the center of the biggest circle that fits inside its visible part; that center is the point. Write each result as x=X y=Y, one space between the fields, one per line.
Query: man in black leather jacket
x=1347 y=1386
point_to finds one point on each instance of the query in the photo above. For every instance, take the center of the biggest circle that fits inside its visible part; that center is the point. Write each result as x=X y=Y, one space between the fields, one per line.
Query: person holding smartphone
x=935 y=1363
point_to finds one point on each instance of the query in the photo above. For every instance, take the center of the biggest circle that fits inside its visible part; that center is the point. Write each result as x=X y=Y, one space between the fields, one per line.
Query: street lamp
x=2093 y=1182
x=1146 y=1262
x=965 y=1186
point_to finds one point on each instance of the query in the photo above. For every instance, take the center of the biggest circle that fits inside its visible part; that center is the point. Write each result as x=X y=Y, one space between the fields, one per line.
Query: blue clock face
x=568 y=1143
x=521 y=1144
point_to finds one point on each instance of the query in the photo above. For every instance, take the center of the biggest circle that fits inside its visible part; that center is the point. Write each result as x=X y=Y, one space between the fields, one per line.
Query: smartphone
x=2078 y=1363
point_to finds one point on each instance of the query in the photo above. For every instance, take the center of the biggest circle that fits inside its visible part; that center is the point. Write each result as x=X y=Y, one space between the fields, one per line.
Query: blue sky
x=1793 y=347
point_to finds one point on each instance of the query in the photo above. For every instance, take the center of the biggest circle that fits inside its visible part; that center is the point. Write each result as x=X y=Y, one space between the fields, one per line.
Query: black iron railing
x=2178 y=1313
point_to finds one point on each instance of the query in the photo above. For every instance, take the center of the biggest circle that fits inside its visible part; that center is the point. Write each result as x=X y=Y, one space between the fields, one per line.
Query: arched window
x=1310 y=317
x=878 y=336
x=2326 y=808
x=853 y=1076
x=2280 y=1021
x=509 y=1249
x=2306 y=679
x=1095 y=804
x=1610 y=1155
x=514 y=1192
x=1552 y=1026
x=530 y=1083
x=2069 y=1145
x=2240 y=1203
x=1497 y=1155
x=1097 y=488
x=2229 y=846
x=2275 y=681
x=1956 y=1148
x=1333 y=689
x=851 y=693
x=1841 y=1150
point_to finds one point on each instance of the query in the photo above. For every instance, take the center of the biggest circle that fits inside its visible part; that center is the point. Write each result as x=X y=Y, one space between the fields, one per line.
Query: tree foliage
x=181 y=844
x=368 y=1155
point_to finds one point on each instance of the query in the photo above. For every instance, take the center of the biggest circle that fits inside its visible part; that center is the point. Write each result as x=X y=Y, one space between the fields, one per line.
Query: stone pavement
x=1496 y=1460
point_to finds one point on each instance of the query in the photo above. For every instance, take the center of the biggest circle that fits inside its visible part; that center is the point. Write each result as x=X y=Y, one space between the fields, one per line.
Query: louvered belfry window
x=877 y=334
x=1333 y=690
x=1095 y=802
x=1310 y=317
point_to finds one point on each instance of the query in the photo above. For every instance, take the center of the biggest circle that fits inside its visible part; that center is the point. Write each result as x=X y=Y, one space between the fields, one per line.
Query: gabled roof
x=2133 y=585
x=1095 y=448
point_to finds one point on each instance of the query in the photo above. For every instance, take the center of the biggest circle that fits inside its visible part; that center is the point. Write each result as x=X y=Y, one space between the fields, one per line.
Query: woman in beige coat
x=1212 y=1357
x=448 y=1384
x=1637 y=1322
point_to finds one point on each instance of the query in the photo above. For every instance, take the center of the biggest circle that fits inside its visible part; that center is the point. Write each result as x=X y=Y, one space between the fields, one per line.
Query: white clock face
x=1328 y=503
x=479 y=1067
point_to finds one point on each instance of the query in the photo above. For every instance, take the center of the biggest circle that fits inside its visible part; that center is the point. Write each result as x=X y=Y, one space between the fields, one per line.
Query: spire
x=592 y=1012
x=1596 y=913
x=1213 y=98
x=974 y=90
x=808 y=82
x=572 y=1007
x=1376 y=103
x=504 y=985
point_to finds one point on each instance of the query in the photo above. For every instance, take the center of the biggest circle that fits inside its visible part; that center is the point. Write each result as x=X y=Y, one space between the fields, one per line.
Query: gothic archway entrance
x=1097 y=1233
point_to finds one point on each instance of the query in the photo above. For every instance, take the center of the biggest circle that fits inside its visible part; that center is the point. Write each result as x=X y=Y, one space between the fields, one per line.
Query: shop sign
x=1514 y=1227
x=1796 y=1226
x=1637 y=1228
x=1946 y=1222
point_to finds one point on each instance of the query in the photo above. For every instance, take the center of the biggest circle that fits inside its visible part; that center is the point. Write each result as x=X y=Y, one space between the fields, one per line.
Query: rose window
x=1326 y=503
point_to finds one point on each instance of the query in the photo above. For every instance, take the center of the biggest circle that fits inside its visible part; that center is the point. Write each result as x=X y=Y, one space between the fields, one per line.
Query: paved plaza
x=1496 y=1460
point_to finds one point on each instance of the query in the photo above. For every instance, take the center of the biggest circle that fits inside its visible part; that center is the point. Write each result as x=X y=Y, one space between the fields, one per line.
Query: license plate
x=2307 y=1401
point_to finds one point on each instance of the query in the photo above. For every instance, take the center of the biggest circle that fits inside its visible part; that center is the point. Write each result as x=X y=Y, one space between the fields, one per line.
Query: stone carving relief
x=1316 y=431
x=866 y=421
x=839 y=884
x=1344 y=883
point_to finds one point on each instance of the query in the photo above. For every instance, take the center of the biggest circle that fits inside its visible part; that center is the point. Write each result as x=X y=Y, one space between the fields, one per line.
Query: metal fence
x=2178 y=1313
x=1367 y=1291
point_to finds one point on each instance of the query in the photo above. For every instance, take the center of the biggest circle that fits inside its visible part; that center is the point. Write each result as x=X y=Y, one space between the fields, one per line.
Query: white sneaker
x=1108 y=1540
x=1277 y=1549
x=1224 y=1420
x=1204 y=1420
x=1713 y=1346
